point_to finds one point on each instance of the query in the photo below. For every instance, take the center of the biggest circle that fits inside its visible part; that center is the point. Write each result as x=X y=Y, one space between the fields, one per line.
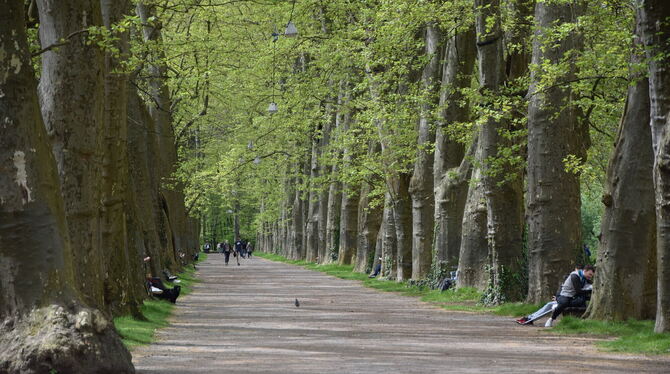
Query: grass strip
x=135 y=332
x=631 y=336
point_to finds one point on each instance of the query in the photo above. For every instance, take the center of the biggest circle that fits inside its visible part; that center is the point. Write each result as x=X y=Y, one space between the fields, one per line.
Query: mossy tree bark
x=450 y=197
x=654 y=15
x=44 y=325
x=72 y=98
x=625 y=284
x=555 y=132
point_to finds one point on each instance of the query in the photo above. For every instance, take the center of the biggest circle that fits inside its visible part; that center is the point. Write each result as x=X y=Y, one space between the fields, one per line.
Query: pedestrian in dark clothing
x=226 y=249
x=239 y=247
x=250 y=249
x=573 y=292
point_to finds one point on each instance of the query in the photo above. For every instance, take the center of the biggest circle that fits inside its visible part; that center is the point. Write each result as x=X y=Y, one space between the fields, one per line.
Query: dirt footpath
x=242 y=319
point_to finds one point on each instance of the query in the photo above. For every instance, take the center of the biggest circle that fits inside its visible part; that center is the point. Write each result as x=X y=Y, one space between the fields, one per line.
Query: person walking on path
x=239 y=247
x=226 y=249
x=250 y=249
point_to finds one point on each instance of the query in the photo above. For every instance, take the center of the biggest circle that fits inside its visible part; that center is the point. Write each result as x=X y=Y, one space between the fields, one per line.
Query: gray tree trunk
x=625 y=285
x=312 y=224
x=421 y=184
x=389 y=247
x=555 y=131
x=502 y=182
x=473 y=256
x=34 y=236
x=71 y=95
x=369 y=222
x=122 y=242
x=402 y=217
x=451 y=195
x=450 y=198
x=333 y=218
x=654 y=16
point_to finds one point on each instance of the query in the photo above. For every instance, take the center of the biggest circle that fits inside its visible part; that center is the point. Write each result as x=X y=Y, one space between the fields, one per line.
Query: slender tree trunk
x=625 y=285
x=654 y=15
x=473 y=257
x=501 y=181
x=312 y=224
x=349 y=208
x=71 y=93
x=389 y=248
x=402 y=217
x=161 y=111
x=369 y=222
x=555 y=131
x=421 y=184
x=450 y=198
x=38 y=293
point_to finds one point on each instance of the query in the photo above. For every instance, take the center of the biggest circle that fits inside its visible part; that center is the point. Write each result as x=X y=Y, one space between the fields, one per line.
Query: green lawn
x=630 y=336
x=136 y=332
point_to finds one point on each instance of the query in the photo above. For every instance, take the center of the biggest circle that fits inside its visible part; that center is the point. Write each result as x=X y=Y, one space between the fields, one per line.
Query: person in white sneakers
x=574 y=292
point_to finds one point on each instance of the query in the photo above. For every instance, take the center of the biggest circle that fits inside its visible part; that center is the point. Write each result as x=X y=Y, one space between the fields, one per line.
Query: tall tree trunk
x=71 y=93
x=124 y=276
x=389 y=248
x=421 y=184
x=451 y=195
x=37 y=292
x=473 y=256
x=450 y=198
x=349 y=208
x=161 y=111
x=555 y=131
x=369 y=222
x=501 y=181
x=402 y=217
x=625 y=286
x=333 y=218
x=654 y=15
x=312 y=224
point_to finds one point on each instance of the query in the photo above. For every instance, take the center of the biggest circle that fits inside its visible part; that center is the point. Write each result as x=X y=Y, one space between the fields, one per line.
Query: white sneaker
x=550 y=322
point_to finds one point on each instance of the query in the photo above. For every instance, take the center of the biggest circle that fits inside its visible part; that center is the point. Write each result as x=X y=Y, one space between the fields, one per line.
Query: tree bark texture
x=402 y=217
x=389 y=247
x=43 y=323
x=124 y=278
x=473 y=257
x=160 y=111
x=369 y=222
x=312 y=224
x=653 y=15
x=71 y=93
x=451 y=195
x=625 y=284
x=555 y=131
x=502 y=184
x=421 y=184
x=449 y=204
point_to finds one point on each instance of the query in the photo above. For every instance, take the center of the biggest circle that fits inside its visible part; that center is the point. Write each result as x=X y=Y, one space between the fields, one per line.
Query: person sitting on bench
x=159 y=290
x=573 y=293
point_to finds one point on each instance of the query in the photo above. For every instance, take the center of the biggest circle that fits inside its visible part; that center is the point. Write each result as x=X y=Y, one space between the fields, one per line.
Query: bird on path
x=297 y=303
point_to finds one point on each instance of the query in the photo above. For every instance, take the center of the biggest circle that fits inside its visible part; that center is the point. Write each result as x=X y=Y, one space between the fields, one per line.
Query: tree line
x=87 y=188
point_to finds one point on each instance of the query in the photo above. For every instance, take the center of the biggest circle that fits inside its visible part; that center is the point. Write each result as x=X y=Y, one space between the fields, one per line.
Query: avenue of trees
x=492 y=137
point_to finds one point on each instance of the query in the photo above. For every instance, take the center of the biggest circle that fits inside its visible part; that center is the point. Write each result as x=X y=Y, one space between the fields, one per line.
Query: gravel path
x=242 y=319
